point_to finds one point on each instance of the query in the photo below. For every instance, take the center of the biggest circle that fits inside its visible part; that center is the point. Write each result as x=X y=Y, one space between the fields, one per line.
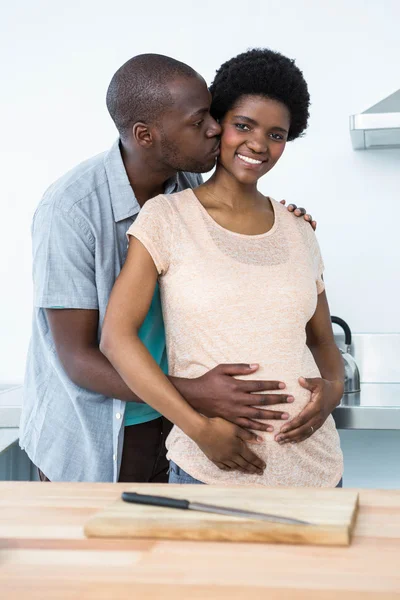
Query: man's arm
x=75 y=336
x=217 y=393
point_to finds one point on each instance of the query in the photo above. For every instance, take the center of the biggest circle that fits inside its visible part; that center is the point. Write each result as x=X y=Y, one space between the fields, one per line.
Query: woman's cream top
x=234 y=298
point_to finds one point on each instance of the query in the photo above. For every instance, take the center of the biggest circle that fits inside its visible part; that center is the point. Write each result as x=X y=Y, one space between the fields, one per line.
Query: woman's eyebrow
x=253 y=122
x=247 y=119
x=280 y=129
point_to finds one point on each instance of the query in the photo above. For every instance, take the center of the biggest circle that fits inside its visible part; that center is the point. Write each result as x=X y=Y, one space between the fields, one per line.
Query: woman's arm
x=223 y=442
x=327 y=390
x=322 y=344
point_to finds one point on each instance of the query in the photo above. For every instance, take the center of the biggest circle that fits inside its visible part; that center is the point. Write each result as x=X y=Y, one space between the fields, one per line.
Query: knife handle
x=154 y=500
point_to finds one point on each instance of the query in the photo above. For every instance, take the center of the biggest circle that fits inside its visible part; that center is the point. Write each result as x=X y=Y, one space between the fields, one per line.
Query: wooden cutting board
x=332 y=513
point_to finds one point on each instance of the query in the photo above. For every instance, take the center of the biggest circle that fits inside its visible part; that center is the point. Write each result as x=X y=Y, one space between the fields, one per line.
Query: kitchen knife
x=221 y=510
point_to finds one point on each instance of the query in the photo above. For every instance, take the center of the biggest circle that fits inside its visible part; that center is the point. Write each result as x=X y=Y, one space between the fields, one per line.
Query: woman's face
x=254 y=135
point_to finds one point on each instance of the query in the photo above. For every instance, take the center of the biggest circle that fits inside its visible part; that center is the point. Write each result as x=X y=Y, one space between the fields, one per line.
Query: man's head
x=161 y=106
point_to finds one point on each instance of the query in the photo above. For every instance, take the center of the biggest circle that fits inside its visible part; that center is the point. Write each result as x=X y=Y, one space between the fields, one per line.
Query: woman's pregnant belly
x=316 y=462
x=290 y=377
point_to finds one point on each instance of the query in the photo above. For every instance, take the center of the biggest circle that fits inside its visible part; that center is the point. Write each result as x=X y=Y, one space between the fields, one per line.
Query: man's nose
x=214 y=128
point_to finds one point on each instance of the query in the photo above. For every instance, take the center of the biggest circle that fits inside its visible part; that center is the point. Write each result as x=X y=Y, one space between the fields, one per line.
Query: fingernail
x=281 y=386
x=279 y=438
x=270 y=429
x=259 y=439
x=285 y=416
x=290 y=399
x=253 y=366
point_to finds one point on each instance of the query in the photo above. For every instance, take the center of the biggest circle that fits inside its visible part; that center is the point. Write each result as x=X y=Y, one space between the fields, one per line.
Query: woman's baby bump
x=292 y=409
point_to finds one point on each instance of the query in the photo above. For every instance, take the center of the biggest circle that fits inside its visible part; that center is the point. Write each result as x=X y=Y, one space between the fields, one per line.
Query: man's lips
x=215 y=150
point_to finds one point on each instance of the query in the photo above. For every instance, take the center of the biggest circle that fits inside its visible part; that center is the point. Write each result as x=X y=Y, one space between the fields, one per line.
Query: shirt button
x=114 y=457
x=118 y=415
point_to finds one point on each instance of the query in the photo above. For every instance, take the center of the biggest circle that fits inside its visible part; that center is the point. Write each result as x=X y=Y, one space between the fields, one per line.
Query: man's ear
x=142 y=135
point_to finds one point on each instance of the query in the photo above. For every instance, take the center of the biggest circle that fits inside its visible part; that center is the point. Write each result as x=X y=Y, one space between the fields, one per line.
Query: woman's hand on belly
x=325 y=397
x=225 y=445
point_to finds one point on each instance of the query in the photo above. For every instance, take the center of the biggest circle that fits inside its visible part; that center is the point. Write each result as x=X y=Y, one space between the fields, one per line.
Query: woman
x=239 y=277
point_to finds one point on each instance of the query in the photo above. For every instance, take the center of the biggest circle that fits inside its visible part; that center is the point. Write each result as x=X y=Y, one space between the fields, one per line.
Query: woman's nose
x=258 y=145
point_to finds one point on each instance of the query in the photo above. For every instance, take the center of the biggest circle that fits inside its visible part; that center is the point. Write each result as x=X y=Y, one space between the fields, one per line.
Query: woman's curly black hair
x=262 y=72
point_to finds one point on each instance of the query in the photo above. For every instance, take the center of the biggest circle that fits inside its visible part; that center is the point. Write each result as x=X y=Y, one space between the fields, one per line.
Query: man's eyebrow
x=199 y=112
x=253 y=122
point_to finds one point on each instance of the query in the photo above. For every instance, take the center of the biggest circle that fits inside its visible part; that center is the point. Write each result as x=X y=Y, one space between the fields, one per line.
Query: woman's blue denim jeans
x=178 y=475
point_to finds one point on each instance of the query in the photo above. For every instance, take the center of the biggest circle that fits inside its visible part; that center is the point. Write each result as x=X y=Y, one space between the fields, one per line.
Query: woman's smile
x=250 y=162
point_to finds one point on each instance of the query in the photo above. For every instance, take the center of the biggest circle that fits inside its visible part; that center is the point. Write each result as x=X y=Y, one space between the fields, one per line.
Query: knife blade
x=166 y=502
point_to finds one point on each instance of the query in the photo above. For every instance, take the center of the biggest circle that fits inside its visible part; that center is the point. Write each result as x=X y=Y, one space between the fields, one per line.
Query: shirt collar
x=123 y=199
x=171 y=185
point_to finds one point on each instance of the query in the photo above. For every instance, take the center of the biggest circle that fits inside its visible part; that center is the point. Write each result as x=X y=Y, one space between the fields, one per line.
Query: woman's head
x=261 y=100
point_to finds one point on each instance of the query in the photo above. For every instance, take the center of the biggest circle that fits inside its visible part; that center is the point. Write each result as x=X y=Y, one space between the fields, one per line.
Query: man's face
x=187 y=132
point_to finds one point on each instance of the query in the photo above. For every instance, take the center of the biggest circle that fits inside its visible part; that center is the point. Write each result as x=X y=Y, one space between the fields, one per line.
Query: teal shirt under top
x=152 y=334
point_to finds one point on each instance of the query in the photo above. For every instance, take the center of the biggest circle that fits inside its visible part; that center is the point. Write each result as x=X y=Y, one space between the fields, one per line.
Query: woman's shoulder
x=290 y=218
x=169 y=202
x=163 y=205
x=299 y=231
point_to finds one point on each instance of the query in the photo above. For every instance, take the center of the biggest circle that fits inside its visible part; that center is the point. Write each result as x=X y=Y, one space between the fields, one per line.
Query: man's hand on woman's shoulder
x=301 y=212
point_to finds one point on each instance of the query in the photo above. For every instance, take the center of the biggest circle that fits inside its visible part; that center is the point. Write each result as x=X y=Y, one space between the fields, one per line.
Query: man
x=80 y=422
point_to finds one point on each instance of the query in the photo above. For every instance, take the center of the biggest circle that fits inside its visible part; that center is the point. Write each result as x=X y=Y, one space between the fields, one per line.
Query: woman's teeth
x=250 y=161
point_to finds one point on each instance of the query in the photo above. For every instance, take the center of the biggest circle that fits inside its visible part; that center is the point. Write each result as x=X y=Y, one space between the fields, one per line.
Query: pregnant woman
x=239 y=277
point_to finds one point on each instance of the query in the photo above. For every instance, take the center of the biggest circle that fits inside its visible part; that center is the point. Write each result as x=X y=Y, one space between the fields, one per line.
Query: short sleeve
x=154 y=228
x=63 y=261
x=316 y=258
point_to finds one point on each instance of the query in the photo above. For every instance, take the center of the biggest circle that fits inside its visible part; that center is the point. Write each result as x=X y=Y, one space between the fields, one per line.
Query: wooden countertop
x=44 y=555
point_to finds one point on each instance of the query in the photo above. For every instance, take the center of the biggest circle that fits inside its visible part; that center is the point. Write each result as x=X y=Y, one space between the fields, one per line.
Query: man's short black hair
x=139 y=89
x=262 y=72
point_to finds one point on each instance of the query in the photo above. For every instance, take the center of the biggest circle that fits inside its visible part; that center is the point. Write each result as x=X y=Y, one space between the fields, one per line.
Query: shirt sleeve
x=63 y=260
x=316 y=258
x=154 y=228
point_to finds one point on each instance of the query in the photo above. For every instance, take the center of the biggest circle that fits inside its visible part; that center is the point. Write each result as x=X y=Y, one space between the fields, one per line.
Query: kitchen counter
x=44 y=555
x=8 y=437
x=376 y=406
x=10 y=412
x=10 y=405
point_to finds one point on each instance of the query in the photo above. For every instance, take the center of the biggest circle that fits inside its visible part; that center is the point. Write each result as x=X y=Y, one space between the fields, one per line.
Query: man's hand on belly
x=218 y=393
x=325 y=397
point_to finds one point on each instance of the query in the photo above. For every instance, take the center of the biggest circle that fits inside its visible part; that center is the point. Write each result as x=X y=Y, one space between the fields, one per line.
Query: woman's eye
x=242 y=127
x=198 y=123
x=277 y=136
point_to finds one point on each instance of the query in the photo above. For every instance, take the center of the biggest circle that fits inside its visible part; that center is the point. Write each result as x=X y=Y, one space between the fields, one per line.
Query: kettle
x=351 y=372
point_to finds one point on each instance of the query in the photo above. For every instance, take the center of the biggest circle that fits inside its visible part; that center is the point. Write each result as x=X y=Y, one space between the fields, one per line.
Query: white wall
x=57 y=60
